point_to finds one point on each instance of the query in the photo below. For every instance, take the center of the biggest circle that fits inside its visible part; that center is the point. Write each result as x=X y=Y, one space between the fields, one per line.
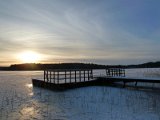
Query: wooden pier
x=58 y=79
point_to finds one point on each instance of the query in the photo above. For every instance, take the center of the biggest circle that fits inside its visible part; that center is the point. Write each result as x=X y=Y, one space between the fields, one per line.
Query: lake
x=19 y=100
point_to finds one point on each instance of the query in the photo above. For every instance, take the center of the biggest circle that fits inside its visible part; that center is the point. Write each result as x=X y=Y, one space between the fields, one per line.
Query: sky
x=90 y=31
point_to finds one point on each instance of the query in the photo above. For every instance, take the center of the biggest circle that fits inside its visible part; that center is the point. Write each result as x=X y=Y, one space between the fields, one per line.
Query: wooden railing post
x=88 y=75
x=53 y=76
x=58 y=76
x=50 y=76
x=44 y=75
x=91 y=74
x=47 y=76
x=70 y=76
x=65 y=77
x=84 y=75
x=80 y=75
x=75 y=76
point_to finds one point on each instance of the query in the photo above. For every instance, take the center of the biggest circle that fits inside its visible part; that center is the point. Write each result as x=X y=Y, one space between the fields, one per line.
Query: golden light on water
x=29 y=57
x=29 y=85
x=31 y=94
x=28 y=112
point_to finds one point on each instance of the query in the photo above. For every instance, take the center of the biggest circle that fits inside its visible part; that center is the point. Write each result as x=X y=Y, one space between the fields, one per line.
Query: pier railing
x=115 y=72
x=59 y=76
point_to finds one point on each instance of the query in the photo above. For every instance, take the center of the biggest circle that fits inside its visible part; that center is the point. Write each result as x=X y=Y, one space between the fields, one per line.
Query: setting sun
x=29 y=57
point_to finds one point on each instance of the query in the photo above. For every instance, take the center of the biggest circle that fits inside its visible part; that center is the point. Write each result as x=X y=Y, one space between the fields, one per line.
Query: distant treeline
x=145 y=65
x=34 y=66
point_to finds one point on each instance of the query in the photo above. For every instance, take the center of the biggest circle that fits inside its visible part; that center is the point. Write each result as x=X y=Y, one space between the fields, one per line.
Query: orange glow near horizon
x=29 y=57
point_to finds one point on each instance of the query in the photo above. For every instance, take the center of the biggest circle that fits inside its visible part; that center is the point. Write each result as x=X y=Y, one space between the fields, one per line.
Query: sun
x=29 y=57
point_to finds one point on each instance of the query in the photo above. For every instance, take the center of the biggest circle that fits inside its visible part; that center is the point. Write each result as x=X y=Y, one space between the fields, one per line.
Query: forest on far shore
x=39 y=66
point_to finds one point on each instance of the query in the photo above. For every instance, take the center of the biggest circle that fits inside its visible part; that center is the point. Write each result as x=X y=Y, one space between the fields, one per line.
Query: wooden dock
x=74 y=78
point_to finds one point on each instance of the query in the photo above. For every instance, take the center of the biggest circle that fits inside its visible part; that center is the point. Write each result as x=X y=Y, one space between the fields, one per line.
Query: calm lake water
x=19 y=100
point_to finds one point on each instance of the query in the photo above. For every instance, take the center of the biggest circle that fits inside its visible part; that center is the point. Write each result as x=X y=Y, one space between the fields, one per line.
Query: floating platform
x=69 y=79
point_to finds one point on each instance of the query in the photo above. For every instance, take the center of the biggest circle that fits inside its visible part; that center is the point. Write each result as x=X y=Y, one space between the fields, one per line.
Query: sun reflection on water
x=31 y=94
x=29 y=89
x=28 y=111
x=29 y=85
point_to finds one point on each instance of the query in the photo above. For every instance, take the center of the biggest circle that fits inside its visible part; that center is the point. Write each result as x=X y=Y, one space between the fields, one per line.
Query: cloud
x=94 y=30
